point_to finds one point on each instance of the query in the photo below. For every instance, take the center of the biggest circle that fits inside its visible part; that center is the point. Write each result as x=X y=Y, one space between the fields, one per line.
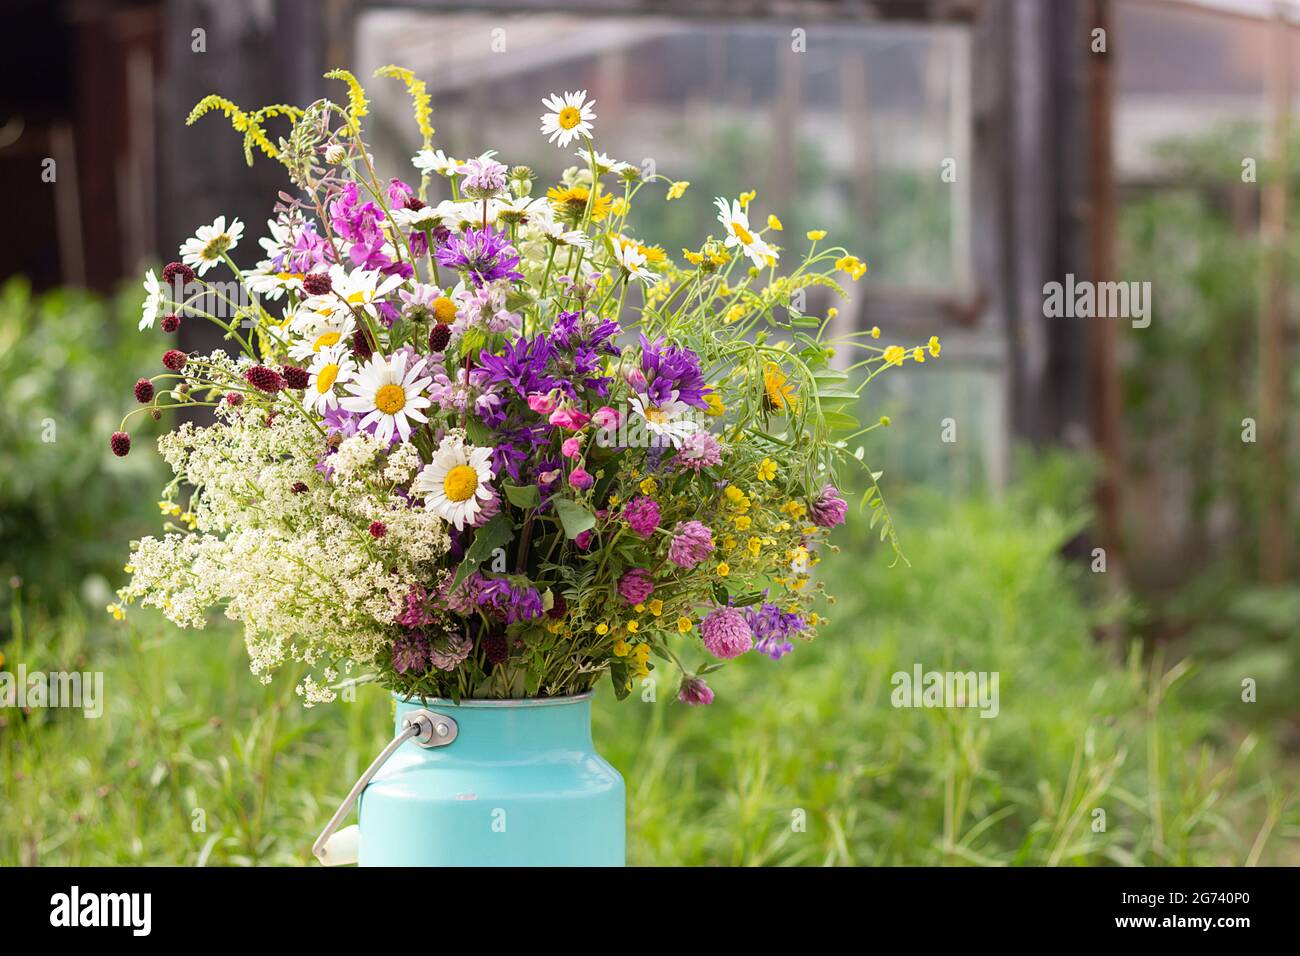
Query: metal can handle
x=428 y=729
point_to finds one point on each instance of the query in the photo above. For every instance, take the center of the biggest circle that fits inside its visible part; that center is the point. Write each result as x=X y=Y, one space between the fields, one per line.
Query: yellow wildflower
x=766 y=469
x=649 y=486
x=656 y=607
x=755 y=545
x=734 y=314
x=716 y=407
x=116 y=611
x=854 y=266
x=918 y=354
x=602 y=628
x=934 y=345
x=632 y=627
x=694 y=258
x=774 y=224
x=723 y=569
x=743 y=522
x=894 y=355
x=622 y=648
x=747 y=198
x=777 y=390
x=875 y=331
x=678 y=189
x=816 y=235
x=729 y=543
x=684 y=625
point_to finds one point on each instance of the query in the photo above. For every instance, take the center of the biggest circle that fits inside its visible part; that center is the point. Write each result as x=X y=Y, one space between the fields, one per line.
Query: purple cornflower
x=642 y=515
x=829 y=509
x=522 y=366
x=636 y=586
x=692 y=543
x=725 y=633
x=483 y=253
x=772 y=629
x=672 y=369
x=514 y=604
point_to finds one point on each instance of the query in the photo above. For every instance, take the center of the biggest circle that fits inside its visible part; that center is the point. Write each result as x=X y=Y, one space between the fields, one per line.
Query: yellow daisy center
x=744 y=235
x=444 y=310
x=461 y=483
x=390 y=399
x=325 y=340
x=655 y=414
x=325 y=378
x=570 y=117
x=215 y=246
x=356 y=298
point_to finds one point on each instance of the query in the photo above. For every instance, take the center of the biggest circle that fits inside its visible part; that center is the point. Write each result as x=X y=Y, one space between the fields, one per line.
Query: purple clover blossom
x=669 y=369
x=414 y=612
x=485 y=254
x=484 y=177
x=636 y=586
x=514 y=604
x=829 y=509
x=642 y=515
x=772 y=629
x=410 y=652
x=692 y=543
x=699 y=450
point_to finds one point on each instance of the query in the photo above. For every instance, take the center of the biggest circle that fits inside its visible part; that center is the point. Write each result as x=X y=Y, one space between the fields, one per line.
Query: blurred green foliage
x=68 y=361
x=1191 y=381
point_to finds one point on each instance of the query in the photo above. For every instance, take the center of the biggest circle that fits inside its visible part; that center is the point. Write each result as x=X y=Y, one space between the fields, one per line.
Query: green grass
x=195 y=762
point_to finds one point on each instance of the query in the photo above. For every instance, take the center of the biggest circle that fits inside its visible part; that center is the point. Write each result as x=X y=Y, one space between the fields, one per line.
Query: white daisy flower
x=389 y=394
x=431 y=161
x=266 y=284
x=153 y=301
x=360 y=288
x=569 y=118
x=318 y=331
x=332 y=366
x=455 y=483
x=631 y=259
x=604 y=164
x=739 y=234
x=665 y=421
x=555 y=232
x=203 y=250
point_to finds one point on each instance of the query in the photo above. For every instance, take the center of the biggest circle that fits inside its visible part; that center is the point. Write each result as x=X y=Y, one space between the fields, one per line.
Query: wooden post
x=1108 y=420
x=1274 y=529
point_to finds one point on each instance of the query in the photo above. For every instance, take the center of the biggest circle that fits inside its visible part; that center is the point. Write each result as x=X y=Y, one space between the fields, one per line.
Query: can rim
x=492 y=702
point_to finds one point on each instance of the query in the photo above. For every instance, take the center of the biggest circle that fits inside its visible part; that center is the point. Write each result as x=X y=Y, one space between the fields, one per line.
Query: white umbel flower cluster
x=288 y=548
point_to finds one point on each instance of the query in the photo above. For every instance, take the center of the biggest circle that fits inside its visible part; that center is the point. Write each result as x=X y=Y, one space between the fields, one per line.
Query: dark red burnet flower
x=496 y=648
x=144 y=391
x=120 y=442
x=265 y=379
x=298 y=487
x=414 y=202
x=174 y=270
x=361 y=346
x=174 y=359
x=294 y=376
x=316 y=283
x=439 y=336
x=171 y=322
x=378 y=529
x=558 y=607
x=234 y=398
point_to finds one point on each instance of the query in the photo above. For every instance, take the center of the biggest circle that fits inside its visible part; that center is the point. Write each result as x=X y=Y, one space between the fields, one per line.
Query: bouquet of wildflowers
x=496 y=444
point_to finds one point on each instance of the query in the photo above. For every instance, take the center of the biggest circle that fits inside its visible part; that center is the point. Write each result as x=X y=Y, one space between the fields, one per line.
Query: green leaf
x=478 y=433
x=576 y=518
x=618 y=676
x=527 y=496
x=495 y=534
x=840 y=421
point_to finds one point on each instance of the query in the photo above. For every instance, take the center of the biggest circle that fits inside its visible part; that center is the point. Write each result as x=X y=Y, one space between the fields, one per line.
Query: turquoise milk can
x=485 y=783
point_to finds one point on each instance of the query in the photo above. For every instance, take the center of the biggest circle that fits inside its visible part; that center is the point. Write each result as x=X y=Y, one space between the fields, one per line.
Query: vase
x=519 y=783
